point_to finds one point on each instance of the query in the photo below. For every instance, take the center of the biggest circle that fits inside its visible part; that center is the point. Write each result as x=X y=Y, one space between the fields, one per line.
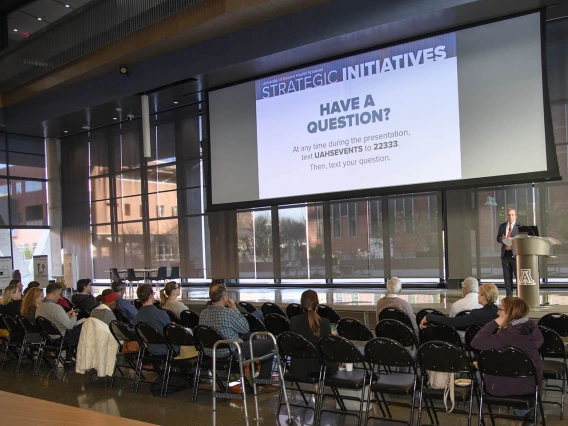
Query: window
x=336 y=220
x=34 y=215
x=352 y=218
x=161 y=211
x=319 y=212
x=18 y=187
x=174 y=210
x=126 y=209
x=32 y=186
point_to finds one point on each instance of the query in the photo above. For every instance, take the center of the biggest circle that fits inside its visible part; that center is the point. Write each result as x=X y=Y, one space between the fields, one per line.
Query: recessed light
x=65 y=131
x=176 y=102
x=66 y=5
x=38 y=18
x=114 y=118
x=15 y=30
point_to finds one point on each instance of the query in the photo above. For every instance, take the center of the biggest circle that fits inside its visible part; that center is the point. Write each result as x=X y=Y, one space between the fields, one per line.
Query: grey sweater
x=56 y=314
x=400 y=304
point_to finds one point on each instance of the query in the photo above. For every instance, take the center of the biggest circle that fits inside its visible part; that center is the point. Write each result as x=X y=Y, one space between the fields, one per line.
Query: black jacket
x=301 y=368
x=476 y=316
x=503 y=231
x=12 y=309
x=84 y=301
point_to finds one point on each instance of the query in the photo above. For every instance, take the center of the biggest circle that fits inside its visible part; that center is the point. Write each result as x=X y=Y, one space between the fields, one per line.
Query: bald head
x=216 y=292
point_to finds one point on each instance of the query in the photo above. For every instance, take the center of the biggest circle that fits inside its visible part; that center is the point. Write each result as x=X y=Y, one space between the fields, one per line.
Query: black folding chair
x=293 y=309
x=557 y=322
x=469 y=335
x=328 y=312
x=13 y=343
x=207 y=337
x=462 y=314
x=554 y=366
x=423 y=312
x=148 y=335
x=131 y=277
x=353 y=330
x=397 y=331
x=160 y=276
x=390 y=354
x=189 y=319
x=176 y=335
x=276 y=324
x=445 y=358
x=174 y=274
x=340 y=350
x=120 y=317
x=441 y=332
x=53 y=342
x=294 y=346
x=137 y=304
x=254 y=323
x=173 y=317
x=396 y=314
x=272 y=308
x=122 y=333
x=248 y=306
x=114 y=276
x=508 y=362
x=31 y=344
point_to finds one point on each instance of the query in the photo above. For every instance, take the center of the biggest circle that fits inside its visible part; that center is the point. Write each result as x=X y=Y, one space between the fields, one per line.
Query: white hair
x=394 y=285
x=470 y=285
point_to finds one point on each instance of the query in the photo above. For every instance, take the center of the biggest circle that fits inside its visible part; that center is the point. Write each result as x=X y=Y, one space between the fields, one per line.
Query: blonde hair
x=7 y=294
x=167 y=291
x=29 y=300
x=490 y=292
x=309 y=303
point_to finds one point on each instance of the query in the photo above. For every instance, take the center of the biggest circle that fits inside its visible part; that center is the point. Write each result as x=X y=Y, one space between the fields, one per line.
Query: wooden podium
x=527 y=249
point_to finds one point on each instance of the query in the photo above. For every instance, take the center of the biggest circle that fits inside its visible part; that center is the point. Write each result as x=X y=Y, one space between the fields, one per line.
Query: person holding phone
x=66 y=323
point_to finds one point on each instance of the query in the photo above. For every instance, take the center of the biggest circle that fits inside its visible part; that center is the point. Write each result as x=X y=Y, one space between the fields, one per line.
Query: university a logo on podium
x=526 y=277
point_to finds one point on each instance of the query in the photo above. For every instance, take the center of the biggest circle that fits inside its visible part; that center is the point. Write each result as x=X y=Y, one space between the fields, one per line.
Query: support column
x=53 y=163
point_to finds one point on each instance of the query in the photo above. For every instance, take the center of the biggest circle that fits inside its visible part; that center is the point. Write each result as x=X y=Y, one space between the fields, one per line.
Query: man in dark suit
x=508 y=229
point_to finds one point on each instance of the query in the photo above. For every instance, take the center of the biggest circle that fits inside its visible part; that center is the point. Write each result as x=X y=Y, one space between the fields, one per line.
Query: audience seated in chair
x=107 y=303
x=393 y=300
x=512 y=328
x=11 y=300
x=469 y=301
x=30 y=302
x=313 y=327
x=168 y=298
x=97 y=347
x=487 y=297
x=84 y=299
x=66 y=303
x=152 y=315
x=224 y=317
x=66 y=323
x=31 y=284
x=124 y=306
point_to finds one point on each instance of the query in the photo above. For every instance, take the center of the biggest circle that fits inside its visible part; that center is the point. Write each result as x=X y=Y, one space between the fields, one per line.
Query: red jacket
x=524 y=336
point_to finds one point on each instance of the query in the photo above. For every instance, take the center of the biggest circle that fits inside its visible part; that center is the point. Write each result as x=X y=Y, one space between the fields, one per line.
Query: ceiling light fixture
x=15 y=30
x=123 y=69
x=65 y=131
x=38 y=18
x=66 y=5
x=176 y=102
x=114 y=118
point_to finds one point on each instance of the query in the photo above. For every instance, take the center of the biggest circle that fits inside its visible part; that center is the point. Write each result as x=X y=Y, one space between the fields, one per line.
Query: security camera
x=130 y=117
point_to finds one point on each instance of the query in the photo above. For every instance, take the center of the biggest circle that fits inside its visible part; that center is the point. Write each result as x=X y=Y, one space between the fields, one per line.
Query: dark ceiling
x=192 y=90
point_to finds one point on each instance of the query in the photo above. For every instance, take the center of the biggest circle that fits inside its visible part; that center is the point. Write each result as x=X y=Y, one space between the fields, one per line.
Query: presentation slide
x=373 y=118
x=464 y=108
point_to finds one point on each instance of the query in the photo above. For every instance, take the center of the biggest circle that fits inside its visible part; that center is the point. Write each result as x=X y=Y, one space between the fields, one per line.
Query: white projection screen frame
x=461 y=109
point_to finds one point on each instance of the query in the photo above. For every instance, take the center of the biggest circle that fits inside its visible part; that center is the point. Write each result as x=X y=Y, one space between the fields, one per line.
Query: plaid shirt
x=229 y=323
